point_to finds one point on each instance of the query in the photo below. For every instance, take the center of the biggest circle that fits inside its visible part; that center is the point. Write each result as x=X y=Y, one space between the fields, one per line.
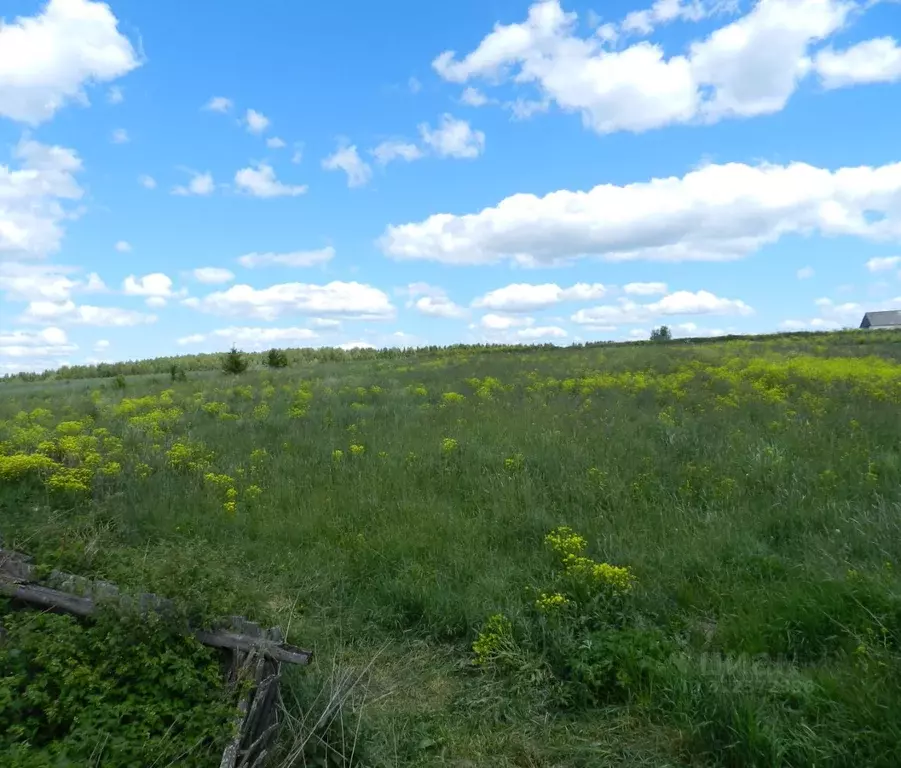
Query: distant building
x=881 y=320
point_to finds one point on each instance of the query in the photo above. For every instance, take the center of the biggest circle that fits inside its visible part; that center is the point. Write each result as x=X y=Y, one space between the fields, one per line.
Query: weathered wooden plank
x=85 y=606
x=287 y=653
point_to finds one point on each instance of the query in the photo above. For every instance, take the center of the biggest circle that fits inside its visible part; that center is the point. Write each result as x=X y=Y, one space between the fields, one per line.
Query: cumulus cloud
x=48 y=60
x=496 y=322
x=254 y=338
x=120 y=136
x=626 y=311
x=148 y=182
x=293 y=259
x=213 y=275
x=387 y=151
x=123 y=246
x=541 y=332
x=260 y=181
x=750 y=66
x=48 y=342
x=349 y=345
x=67 y=312
x=883 y=263
x=352 y=300
x=200 y=184
x=219 y=104
x=645 y=289
x=439 y=306
x=114 y=95
x=347 y=159
x=805 y=273
x=33 y=197
x=871 y=61
x=713 y=213
x=453 y=138
x=473 y=97
x=34 y=282
x=155 y=284
x=256 y=122
x=274 y=142
x=523 y=297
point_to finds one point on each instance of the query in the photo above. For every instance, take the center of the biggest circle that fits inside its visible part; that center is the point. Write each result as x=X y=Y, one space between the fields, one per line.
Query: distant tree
x=275 y=358
x=662 y=333
x=119 y=382
x=177 y=373
x=234 y=362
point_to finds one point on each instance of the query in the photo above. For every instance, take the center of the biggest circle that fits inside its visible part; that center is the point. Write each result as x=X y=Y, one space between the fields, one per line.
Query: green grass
x=753 y=489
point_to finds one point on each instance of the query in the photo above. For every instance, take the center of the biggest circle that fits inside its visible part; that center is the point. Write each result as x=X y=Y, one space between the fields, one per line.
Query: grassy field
x=660 y=555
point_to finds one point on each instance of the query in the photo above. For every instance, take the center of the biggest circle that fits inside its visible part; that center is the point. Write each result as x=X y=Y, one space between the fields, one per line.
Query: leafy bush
x=276 y=358
x=234 y=362
x=115 y=691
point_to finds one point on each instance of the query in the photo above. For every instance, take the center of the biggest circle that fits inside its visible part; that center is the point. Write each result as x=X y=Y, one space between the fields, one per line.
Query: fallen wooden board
x=16 y=573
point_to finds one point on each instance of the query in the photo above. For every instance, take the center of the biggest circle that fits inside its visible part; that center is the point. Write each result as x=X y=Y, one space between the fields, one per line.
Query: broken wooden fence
x=256 y=654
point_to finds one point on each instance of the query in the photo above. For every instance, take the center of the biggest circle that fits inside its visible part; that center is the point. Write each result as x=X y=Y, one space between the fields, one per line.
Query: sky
x=180 y=177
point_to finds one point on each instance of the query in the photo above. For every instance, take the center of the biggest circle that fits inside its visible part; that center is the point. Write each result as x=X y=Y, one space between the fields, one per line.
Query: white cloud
x=213 y=275
x=495 y=322
x=47 y=60
x=114 y=95
x=473 y=97
x=698 y=303
x=200 y=184
x=29 y=282
x=541 y=332
x=274 y=142
x=626 y=311
x=148 y=182
x=523 y=297
x=883 y=263
x=871 y=61
x=805 y=273
x=253 y=338
x=101 y=345
x=453 y=138
x=644 y=22
x=846 y=312
x=156 y=302
x=439 y=306
x=414 y=85
x=347 y=159
x=94 y=284
x=219 y=104
x=293 y=259
x=713 y=213
x=32 y=197
x=256 y=122
x=42 y=312
x=645 y=289
x=120 y=136
x=387 y=151
x=155 y=284
x=261 y=182
x=353 y=300
x=750 y=66
x=48 y=342
x=123 y=246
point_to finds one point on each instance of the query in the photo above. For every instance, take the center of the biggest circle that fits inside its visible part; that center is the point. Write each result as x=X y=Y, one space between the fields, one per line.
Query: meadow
x=675 y=554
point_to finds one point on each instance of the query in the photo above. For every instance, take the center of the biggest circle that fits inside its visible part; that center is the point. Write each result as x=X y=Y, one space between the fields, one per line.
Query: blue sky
x=174 y=179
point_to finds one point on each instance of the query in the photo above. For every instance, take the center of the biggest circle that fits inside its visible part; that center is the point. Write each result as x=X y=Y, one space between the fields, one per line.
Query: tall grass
x=753 y=489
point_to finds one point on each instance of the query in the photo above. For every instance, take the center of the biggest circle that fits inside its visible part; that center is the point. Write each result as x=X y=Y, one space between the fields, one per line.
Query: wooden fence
x=256 y=654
